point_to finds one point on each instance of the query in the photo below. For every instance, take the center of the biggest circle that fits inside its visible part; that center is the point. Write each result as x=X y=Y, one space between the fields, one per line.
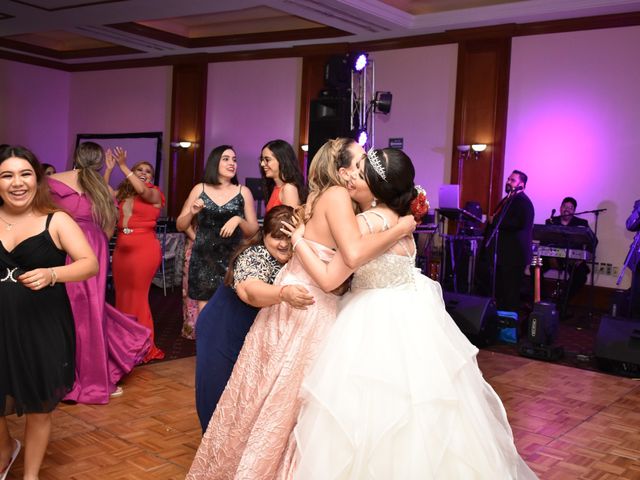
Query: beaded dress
x=396 y=393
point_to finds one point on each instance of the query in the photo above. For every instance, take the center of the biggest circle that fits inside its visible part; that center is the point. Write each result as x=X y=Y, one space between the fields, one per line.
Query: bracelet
x=54 y=277
x=296 y=243
x=129 y=174
x=281 y=292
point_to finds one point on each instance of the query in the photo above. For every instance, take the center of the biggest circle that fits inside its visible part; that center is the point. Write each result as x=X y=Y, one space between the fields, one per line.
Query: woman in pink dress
x=108 y=343
x=249 y=436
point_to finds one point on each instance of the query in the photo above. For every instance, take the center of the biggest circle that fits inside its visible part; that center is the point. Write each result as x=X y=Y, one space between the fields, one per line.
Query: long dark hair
x=289 y=169
x=398 y=190
x=42 y=202
x=211 y=175
x=271 y=226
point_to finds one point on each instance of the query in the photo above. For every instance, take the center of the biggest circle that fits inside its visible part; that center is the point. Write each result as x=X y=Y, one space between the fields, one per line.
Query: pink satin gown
x=249 y=435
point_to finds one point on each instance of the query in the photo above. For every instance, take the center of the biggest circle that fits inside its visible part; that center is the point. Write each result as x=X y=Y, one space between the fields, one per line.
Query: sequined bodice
x=386 y=271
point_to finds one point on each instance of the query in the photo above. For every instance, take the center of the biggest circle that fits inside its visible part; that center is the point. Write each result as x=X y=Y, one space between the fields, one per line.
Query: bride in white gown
x=396 y=392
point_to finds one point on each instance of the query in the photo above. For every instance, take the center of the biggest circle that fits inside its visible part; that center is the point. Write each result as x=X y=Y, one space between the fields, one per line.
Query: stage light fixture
x=362 y=137
x=360 y=61
x=382 y=102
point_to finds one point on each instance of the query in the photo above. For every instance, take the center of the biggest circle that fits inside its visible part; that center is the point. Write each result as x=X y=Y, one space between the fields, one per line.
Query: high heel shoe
x=14 y=455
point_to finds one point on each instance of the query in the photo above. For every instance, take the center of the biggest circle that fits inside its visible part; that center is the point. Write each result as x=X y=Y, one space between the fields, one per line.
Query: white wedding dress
x=396 y=392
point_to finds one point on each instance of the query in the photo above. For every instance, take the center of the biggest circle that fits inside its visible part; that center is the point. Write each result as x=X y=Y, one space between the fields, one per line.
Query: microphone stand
x=494 y=234
x=597 y=213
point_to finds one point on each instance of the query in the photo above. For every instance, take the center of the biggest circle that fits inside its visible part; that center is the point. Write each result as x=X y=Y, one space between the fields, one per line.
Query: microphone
x=553 y=212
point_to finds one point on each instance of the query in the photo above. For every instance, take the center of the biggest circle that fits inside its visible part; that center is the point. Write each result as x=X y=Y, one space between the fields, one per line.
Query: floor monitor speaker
x=618 y=345
x=474 y=315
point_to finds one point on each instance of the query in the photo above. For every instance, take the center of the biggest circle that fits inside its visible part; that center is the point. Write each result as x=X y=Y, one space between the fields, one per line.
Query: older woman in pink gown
x=108 y=343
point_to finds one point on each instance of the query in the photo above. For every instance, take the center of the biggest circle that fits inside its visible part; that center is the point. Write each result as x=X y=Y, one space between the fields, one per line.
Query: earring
x=374 y=203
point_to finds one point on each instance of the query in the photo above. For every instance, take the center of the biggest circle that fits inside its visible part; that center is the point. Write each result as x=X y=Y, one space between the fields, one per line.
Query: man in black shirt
x=515 y=213
x=577 y=270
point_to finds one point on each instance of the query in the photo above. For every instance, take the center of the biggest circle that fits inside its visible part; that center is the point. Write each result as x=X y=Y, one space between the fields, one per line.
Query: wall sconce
x=183 y=144
x=477 y=148
x=304 y=147
x=465 y=150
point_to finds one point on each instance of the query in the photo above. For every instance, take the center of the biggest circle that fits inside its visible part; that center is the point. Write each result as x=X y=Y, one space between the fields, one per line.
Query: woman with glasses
x=281 y=176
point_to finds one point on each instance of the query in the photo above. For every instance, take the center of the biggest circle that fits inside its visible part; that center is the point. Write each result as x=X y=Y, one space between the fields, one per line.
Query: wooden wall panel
x=312 y=83
x=188 y=110
x=481 y=117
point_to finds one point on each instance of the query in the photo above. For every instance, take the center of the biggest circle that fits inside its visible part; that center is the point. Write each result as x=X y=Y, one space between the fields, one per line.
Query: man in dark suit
x=633 y=225
x=515 y=214
x=577 y=270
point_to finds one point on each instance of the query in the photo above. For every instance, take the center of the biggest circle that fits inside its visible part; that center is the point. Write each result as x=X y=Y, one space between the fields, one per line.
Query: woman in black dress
x=225 y=213
x=37 y=335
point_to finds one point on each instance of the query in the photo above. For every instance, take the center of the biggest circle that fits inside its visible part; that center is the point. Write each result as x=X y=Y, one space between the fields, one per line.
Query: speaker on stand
x=329 y=117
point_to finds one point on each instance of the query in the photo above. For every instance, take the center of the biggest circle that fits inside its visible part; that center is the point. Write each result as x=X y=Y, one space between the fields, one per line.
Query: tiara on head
x=375 y=162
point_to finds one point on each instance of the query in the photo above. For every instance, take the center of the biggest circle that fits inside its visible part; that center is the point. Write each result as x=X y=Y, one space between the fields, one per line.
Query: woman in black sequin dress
x=225 y=214
x=37 y=338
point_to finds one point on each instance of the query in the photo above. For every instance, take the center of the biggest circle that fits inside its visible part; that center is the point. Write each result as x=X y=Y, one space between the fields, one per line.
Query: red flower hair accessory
x=420 y=204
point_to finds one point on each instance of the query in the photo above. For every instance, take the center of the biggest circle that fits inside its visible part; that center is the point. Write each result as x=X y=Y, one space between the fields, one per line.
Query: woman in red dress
x=137 y=254
x=281 y=176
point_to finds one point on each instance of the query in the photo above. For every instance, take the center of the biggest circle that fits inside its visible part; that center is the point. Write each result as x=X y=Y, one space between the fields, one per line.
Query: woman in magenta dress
x=137 y=255
x=281 y=176
x=108 y=343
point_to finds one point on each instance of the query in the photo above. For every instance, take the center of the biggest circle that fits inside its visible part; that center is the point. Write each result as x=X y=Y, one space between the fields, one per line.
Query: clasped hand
x=36 y=279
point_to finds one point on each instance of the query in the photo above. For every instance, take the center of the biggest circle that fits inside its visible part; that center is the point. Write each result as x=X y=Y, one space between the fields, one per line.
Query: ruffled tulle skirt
x=396 y=393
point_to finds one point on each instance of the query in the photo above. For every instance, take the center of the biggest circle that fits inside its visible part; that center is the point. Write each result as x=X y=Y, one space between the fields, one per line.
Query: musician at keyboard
x=633 y=261
x=576 y=268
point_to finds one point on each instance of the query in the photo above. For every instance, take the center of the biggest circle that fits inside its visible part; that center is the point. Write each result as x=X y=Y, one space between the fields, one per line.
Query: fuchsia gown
x=108 y=343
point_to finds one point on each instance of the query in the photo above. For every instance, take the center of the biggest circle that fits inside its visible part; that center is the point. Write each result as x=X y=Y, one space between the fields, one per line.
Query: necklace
x=11 y=225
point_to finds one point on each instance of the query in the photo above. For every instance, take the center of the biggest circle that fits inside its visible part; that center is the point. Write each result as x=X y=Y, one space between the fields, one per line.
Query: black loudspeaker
x=618 y=345
x=474 y=315
x=337 y=73
x=328 y=118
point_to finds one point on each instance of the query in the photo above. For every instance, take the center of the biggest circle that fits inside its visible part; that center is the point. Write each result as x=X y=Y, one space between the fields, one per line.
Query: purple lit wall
x=422 y=108
x=574 y=127
x=122 y=101
x=250 y=103
x=35 y=110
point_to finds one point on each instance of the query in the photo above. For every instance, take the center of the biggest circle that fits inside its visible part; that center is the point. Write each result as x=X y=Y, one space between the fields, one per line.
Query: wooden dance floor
x=568 y=424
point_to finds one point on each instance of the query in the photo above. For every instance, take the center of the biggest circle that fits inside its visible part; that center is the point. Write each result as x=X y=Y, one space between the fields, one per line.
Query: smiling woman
x=37 y=345
x=137 y=255
x=224 y=213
